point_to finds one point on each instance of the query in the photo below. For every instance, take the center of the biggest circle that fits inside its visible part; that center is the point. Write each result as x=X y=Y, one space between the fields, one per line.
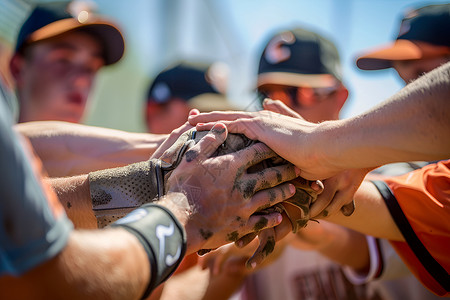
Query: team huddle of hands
x=249 y=190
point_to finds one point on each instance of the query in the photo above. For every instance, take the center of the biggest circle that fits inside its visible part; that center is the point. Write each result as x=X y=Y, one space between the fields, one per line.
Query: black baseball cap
x=53 y=19
x=181 y=81
x=299 y=57
x=424 y=33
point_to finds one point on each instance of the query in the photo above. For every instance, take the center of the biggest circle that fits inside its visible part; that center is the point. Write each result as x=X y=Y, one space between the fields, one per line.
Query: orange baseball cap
x=424 y=33
x=50 y=20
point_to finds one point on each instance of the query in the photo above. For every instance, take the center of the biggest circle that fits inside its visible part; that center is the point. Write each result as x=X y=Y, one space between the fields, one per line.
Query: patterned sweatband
x=162 y=236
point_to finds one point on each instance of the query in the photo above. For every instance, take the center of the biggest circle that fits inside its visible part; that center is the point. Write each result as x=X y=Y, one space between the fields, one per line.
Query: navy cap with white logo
x=181 y=81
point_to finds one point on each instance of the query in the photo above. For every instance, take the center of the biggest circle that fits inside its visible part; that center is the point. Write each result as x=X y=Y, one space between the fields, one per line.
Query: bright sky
x=233 y=31
x=158 y=32
x=354 y=26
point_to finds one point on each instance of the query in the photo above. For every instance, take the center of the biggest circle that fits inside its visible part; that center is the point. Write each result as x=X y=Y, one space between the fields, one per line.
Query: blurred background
x=160 y=32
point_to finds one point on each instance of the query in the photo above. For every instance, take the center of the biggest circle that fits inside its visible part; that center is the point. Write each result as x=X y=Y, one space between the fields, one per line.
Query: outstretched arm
x=411 y=125
x=371 y=215
x=68 y=149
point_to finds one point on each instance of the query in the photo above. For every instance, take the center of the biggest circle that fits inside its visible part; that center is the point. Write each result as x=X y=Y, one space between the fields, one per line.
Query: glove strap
x=116 y=192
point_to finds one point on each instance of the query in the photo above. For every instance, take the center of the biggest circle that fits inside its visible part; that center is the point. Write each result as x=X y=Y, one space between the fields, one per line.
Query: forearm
x=340 y=244
x=107 y=264
x=75 y=197
x=411 y=125
x=371 y=215
x=68 y=149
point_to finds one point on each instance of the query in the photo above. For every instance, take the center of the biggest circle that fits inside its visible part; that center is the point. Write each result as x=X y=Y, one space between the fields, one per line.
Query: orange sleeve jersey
x=419 y=203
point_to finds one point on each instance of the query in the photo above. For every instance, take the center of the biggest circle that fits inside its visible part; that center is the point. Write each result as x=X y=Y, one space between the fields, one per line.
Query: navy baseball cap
x=53 y=19
x=182 y=81
x=424 y=33
x=299 y=57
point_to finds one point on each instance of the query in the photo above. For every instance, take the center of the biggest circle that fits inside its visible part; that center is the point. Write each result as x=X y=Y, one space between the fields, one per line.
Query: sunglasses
x=296 y=96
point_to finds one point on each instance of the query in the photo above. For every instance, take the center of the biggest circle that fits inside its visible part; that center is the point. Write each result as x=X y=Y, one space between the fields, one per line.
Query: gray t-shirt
x=32 y=229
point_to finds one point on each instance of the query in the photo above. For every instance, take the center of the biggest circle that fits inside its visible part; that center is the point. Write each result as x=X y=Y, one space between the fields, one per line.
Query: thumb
x=279 y=107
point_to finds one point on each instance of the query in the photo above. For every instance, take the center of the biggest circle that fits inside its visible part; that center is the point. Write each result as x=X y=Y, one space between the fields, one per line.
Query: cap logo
x=161 y=92
x=276 y=51
x=404 y=27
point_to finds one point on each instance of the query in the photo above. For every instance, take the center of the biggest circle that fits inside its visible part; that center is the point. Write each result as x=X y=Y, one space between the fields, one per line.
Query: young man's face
x=314 y=105
x=410 y=70
x=56 y=77
x=163 y=118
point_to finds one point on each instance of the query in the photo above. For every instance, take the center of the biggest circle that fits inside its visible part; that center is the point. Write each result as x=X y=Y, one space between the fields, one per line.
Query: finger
x=219 y=257
x=205 y=126
x=273 y=176
x=279 y=107
x=246 y=239
x=208 y=144
x=342 y=198
x=171 y=139
x=224 y=258
x=324 y=199
x=260 y=222
x=243 y=126
x=269 y=197
x=178 y=146
x=283 y=229
x=266 y=246
x=194 y=112
x=348 y=209
x=217 y=263
x=317 y=186
x=217 y=116
x=254 y=154
x=205 y=261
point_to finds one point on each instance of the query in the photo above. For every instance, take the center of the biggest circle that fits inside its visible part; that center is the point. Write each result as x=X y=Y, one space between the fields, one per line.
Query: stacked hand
x=339 y=186
x=222 y=197
x=295 y=210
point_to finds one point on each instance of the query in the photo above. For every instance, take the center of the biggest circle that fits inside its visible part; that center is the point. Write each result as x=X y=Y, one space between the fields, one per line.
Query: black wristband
x=162 y=236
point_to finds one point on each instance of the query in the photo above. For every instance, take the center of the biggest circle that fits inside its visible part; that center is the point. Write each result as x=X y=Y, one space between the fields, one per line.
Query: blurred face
x=163 y=118
x=55 y=77
x=410 y=70
x=313 y=104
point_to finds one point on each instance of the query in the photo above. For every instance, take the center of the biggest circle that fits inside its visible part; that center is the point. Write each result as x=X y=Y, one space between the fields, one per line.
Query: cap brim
x=294 y=79
x=112 y=38
x=400 y=50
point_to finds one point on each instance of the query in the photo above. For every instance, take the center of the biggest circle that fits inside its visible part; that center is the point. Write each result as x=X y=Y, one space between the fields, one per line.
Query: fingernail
x=292 y=189
x=315 y=185
x=279 y=218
